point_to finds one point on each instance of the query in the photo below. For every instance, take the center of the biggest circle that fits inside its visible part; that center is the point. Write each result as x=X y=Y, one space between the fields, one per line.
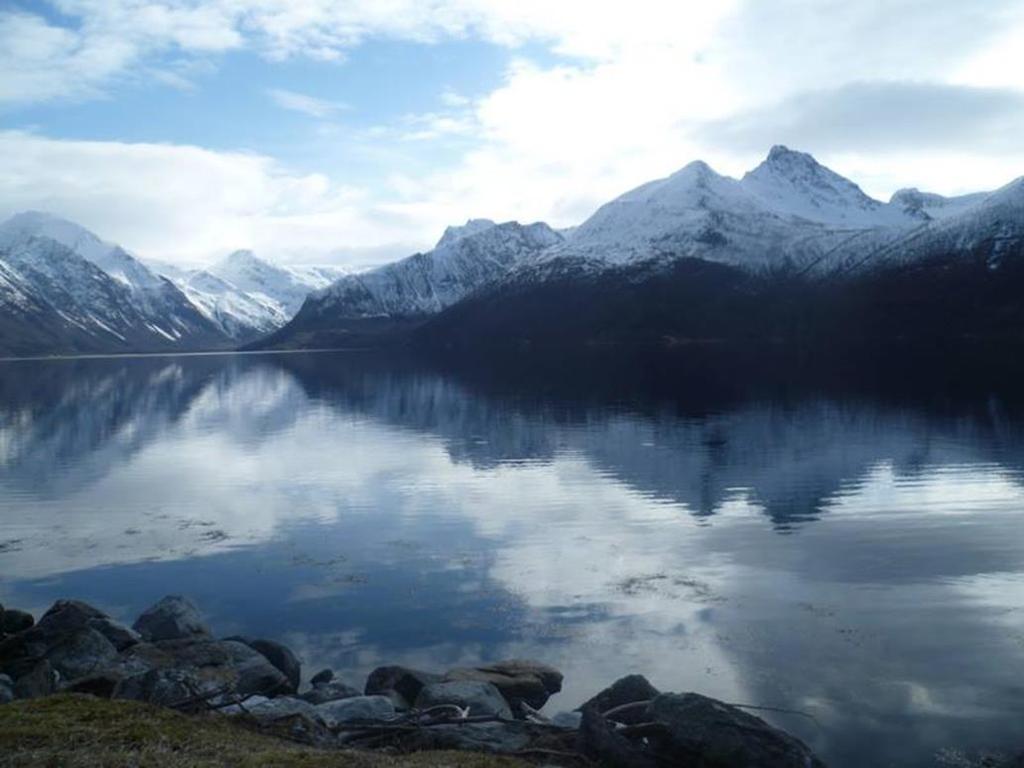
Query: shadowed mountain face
x=938 y=300
x=774 y=532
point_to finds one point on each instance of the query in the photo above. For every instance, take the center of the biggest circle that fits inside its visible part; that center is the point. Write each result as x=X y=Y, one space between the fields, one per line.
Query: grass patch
x=75 y=731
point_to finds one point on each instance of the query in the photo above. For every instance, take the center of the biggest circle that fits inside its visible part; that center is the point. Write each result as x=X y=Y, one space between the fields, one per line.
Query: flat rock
x=479 y=697
x=627 y=690
x=357 y=708
x=172 y=618
x=517 y=679
x=404 y=681
x=333 y=690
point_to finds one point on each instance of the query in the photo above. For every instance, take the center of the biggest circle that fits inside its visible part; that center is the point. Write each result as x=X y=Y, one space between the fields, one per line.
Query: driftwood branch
x=782 y=710
x=626 y=708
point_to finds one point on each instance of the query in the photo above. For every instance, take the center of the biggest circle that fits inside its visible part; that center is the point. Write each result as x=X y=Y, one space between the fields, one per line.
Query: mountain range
x=790 y=252
x=63 y=290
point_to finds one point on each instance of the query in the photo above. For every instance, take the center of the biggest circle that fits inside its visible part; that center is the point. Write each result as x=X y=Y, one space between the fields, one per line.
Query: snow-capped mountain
x=153 y=304
x=699 y=253
x=283 y=287
x=789 y=212
x=929 y=206
x=240 y=315
x=54 y=300
x=989 y=225
x=246 y=296
x=464 y=259
x=66 y=289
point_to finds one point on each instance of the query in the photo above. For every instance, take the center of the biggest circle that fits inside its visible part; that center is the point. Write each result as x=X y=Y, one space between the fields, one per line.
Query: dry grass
x=74 y=731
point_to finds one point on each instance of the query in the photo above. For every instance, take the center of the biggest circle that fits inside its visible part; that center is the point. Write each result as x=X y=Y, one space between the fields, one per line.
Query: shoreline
x=78 y=658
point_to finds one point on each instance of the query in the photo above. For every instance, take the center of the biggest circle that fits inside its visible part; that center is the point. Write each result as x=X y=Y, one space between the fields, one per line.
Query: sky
x=353 y=131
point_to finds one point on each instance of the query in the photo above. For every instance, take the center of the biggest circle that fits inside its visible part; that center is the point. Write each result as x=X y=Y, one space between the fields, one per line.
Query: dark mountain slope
x=932 y=300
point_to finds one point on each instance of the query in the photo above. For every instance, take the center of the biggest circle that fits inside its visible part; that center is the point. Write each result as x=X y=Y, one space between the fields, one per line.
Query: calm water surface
x=857 y=558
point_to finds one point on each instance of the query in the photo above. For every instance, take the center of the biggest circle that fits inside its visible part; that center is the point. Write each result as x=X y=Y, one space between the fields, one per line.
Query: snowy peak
x=112 y=259
x=928 y=205
x=465 y=260
x=471 y=227
x=794 y=184
x=75 y=237
x=245 y=295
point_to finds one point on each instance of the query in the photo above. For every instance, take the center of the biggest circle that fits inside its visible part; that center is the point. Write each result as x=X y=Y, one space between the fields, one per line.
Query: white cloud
x=630 y=99
x=184 y=203
x=307 y=105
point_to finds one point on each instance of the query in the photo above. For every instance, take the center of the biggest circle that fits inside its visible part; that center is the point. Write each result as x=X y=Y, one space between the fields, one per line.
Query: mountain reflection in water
x=849 y=551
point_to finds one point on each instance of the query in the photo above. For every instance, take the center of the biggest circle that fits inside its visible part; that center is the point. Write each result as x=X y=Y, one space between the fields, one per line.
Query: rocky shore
x=170 y=658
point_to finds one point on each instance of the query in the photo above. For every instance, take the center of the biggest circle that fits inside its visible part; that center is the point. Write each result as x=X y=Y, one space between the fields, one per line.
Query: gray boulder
x=119 y=635
x=256 y=675
x=170 y=687
x=334 y=690
x=355 y=709
x=480 y=698
x=179 y=670
x=62 y=626
x=172 y=618
x=517 y=679
x=403 y=681
x=627 y=690
x=39 y=680
x=67 y=616
x=15 y=621
x=281 y=657
x=81 y=653
x=717 y=734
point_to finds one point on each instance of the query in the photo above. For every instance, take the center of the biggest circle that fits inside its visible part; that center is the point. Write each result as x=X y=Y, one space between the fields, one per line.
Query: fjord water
x=850 y=552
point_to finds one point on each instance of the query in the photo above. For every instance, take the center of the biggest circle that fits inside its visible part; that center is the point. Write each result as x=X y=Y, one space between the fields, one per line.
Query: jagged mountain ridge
x=790 y=216
x=789 y=212
x=465 y=259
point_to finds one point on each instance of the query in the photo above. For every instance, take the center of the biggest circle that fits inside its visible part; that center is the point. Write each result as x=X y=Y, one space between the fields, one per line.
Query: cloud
x=184 y=203
x=881 y=117
x=307 y=105
x=621 y=94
